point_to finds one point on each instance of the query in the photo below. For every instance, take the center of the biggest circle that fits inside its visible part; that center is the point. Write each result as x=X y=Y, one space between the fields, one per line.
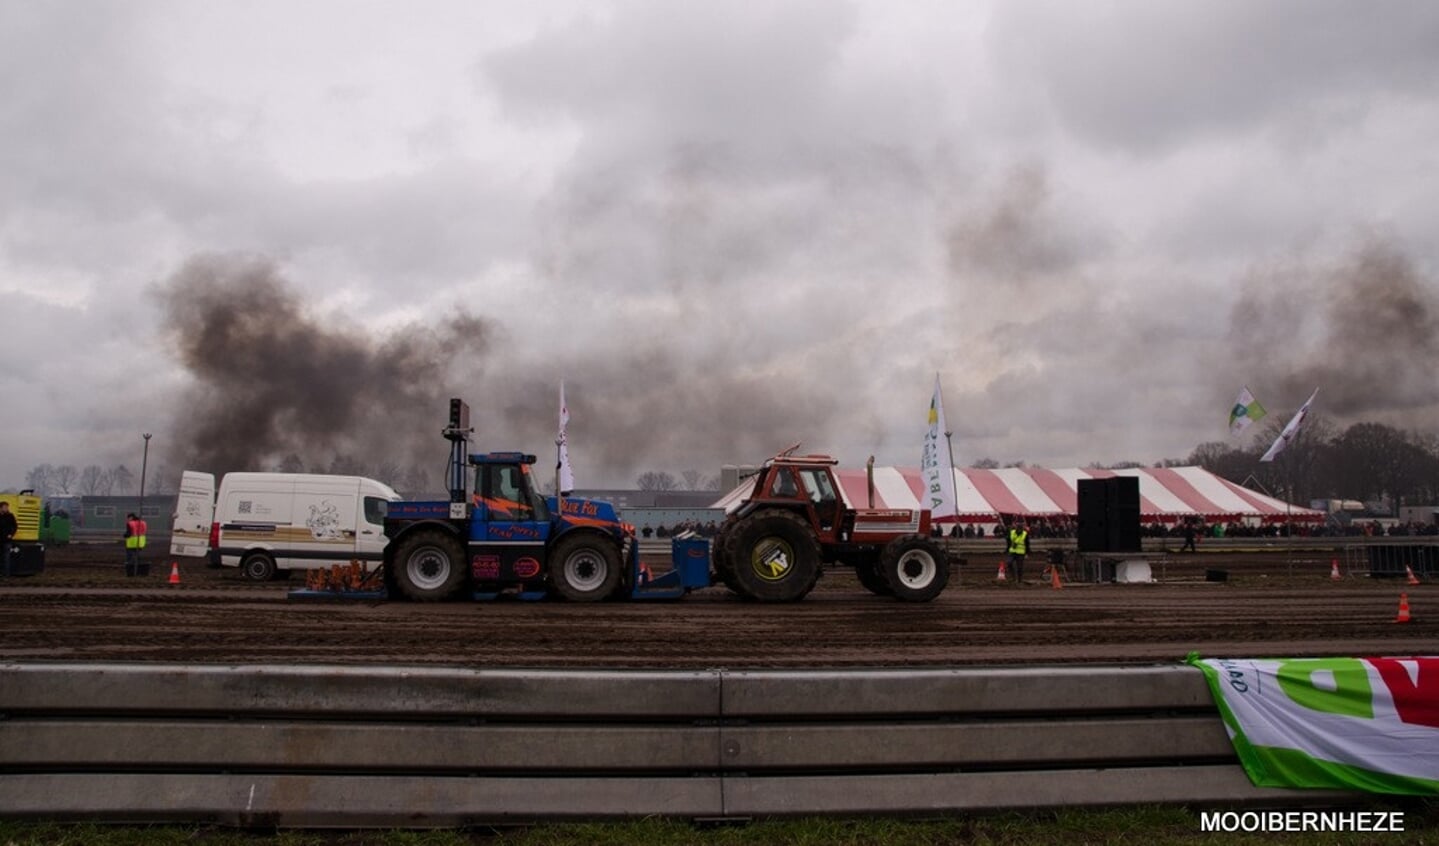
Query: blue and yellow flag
x=1246 y=410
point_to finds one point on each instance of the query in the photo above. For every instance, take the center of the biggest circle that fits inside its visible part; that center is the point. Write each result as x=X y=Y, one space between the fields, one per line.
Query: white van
x=266 y=523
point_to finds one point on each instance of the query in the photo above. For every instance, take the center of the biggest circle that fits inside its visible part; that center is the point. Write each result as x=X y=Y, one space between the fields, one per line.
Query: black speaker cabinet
x=1109 y=514
x=1093 y=515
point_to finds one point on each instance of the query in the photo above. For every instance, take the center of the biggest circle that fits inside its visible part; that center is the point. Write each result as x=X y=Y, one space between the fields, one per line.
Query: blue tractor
x=497 y=534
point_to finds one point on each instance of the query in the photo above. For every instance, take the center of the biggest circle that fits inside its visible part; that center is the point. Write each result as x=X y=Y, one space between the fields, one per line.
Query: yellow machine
x=27 y=553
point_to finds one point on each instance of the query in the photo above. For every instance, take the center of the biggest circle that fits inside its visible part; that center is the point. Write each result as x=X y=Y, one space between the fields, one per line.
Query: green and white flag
x=1368 y=724
x=1246 y=410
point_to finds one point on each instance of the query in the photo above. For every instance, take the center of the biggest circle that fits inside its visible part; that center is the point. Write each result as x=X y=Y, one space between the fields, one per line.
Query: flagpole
x=948 y=435
x=559 y=455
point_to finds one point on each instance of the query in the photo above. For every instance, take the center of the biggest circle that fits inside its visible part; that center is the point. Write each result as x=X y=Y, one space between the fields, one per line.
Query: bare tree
x=1377 y=461
x=344 y=465
x=1294 y=473
x=64 y=478
x=985 y=464
x=692 y=479
x=40 y=479
x=416 y=482
x=388 y=472
x=1224 y=460
x=94 y=479
x=290 y=464
x=124 y=479
x=657 y=480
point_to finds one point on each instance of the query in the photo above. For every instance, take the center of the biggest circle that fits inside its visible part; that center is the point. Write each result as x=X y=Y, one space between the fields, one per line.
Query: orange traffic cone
x=1054 y=578
x=999 y=577
x=1334 y=570
x=1403 y=609
x=1413 y=579
x=174 y=572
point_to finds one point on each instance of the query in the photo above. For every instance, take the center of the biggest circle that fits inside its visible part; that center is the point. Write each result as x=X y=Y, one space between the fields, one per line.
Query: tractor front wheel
x=773 y=556
x=915 y=567
x=429 y=566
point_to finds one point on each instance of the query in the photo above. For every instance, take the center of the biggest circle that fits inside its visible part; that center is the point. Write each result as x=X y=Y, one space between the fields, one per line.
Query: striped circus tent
x=1166 y=495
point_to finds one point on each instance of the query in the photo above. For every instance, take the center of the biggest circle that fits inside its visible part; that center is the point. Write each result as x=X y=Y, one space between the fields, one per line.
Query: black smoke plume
x=272 y=379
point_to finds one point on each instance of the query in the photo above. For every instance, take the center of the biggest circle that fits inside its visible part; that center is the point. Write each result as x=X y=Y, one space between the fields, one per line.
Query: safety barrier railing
x=423 y=747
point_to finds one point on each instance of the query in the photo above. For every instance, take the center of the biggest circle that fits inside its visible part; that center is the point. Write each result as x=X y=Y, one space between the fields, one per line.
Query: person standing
x=1189 y=535
x=8 y=528
x=134 y=542
x=1017 y=549
x=142 y=567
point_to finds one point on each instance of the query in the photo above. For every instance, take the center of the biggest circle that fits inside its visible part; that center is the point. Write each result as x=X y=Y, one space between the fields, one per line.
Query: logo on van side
x=324 y=520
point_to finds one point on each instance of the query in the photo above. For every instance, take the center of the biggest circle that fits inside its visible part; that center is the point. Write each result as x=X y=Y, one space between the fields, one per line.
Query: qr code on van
x=244 y=506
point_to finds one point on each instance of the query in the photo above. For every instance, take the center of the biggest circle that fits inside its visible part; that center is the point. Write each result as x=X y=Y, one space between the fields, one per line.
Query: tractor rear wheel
x=872 y=579
x=773 y=555
x=915 y=567
x=429 y=566
x=585 y=568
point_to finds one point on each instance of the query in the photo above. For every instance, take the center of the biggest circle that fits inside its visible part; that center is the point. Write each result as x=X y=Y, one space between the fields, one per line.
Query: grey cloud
x=1144 y=75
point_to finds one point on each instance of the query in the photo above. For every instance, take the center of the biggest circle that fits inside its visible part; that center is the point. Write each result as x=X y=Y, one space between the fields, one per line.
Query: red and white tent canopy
x=1166 y=495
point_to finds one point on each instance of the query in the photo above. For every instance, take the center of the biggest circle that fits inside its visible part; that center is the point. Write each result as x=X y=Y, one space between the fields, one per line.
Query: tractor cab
x=504 y=491
x=795 y=521
x=803 y=482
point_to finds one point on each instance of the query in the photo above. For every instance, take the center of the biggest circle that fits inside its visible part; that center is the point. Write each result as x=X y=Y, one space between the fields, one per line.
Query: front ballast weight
x=352 y=581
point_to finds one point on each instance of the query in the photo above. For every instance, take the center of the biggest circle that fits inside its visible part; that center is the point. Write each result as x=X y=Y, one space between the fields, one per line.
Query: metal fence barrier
x=314 y=746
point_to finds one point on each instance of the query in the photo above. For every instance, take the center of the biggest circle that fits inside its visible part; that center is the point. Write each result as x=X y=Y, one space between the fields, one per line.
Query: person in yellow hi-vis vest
x=134 y=542
x=1017 y=549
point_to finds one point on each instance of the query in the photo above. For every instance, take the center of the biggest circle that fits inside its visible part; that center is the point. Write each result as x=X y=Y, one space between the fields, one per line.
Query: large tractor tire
x=585 y=568
x=720 y=562
x=774 y=556
x=915 y=567
x=872 y=579
x=429 y=566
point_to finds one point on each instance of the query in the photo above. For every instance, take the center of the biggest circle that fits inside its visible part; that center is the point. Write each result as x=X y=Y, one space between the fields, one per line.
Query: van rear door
x=194 y=513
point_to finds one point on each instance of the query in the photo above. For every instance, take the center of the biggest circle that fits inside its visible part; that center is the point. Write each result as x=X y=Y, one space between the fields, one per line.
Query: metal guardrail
x=422 y=747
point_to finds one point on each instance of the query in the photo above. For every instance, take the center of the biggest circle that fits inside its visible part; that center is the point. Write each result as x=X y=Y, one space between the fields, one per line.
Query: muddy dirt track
x=1273 y=604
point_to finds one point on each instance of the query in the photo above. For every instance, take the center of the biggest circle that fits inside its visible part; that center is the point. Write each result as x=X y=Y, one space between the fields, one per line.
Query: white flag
x=1291 y=429
x=566 y=476
x=1246 y=410
x=935 y=468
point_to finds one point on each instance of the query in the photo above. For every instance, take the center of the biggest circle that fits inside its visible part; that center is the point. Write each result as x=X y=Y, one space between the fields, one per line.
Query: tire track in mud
x=91 y=612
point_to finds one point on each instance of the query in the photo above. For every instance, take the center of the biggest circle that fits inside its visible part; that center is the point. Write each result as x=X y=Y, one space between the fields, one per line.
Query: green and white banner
x=1348 y=723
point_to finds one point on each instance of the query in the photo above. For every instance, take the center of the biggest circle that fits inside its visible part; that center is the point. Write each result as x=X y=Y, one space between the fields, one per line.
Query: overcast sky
x=269 y=227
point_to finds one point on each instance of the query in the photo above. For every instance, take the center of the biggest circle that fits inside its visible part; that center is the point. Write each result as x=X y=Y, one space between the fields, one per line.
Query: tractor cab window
x=506 y=490
x=820 y=487
x=782 y=485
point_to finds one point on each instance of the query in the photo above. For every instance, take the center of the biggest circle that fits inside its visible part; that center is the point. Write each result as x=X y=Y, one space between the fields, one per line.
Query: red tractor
x=795 y=521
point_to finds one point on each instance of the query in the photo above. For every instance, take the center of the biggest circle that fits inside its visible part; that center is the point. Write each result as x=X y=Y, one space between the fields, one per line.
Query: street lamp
x=144 y=461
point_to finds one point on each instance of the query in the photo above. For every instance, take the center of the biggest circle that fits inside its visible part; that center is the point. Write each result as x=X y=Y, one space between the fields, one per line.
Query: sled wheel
x=872 y=579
